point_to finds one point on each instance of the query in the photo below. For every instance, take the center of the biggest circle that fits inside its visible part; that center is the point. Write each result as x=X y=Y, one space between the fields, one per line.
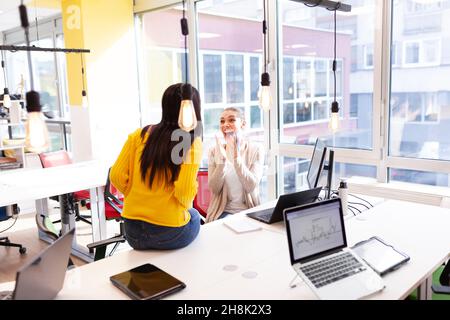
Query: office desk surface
x=39 y=184
x=29 y=184
x=221 y=264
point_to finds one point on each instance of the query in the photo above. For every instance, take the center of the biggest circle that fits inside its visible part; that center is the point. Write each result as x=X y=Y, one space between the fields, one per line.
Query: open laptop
x=272 y=215
x=319 y=253
x=43 y=277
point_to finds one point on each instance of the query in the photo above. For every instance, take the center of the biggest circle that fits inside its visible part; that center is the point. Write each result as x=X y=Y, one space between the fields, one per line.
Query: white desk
x=419 y=230
x=39 y=184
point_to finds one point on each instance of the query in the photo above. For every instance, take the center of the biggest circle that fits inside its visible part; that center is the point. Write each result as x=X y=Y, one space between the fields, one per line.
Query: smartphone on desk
x=147 y=282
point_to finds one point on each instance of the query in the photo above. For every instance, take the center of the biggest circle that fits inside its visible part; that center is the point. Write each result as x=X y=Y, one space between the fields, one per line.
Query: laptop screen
x=315 y=229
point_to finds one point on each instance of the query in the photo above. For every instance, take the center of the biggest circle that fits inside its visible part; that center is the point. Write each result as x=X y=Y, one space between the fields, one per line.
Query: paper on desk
x=241 y=225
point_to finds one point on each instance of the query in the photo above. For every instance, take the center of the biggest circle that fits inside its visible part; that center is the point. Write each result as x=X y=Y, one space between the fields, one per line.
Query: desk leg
x=42 y=209
x=424 y=290
x=98 y=214
x=67 y=217
x=77 y=250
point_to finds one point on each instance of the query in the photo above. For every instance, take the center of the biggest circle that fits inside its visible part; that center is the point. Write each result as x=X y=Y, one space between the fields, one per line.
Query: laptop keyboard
x=266 y=216
x=5 y=295
x=332 y=269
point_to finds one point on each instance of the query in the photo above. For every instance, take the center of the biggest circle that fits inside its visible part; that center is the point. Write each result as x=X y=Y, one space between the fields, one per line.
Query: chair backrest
x=55 y=158
x=203 y=197
x=113 y=201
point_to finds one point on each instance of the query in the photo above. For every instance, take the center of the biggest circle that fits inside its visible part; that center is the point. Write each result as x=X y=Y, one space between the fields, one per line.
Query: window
x=294 y=172
x=368 y=56
x=411 y=52
x=320 y=68
x=308 y=81
x=422 y=52
x=229 y=67
x=395 y=54
x=230 y=43
x=235 y=78
x=421 y=7
x=49 y=75
x=254 y=78
x=419 y=99
x=162 y=58
x=212 y=68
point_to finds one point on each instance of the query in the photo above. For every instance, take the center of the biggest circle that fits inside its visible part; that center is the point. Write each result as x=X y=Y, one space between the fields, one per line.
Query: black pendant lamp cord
x=185 y=32
x=264 y=36
x=82 y=72
x=26 y=25
x=335 y=9
x=36 y=21
x=3 y=67
x=266 y=40
x=335 y=54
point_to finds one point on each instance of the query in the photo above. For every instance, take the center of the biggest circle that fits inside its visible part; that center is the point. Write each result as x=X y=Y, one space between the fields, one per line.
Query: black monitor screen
x=316 y=164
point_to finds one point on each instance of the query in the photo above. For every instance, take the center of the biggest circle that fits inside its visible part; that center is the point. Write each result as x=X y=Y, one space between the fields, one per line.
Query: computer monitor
x=316 y=164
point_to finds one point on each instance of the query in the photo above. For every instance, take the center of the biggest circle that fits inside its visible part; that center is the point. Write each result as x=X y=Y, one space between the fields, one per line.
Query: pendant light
x=334 y=116
x=265 y=99
x=187 y=120
x=84 y=99
x=6 y=97
x=36 y=139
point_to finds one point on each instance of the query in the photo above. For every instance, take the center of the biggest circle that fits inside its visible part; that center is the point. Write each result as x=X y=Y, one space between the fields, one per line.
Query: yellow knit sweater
x=162 y=204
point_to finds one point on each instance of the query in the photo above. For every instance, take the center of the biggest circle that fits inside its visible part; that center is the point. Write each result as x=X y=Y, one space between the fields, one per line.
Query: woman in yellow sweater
x=156 y=171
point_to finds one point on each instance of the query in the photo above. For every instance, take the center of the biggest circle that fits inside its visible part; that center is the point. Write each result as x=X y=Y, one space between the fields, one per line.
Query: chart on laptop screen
x=315 y=230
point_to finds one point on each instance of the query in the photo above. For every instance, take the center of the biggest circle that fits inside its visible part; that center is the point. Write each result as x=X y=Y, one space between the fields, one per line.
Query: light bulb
x=36 y=139
x=187 y=119
x=6 y=99
x=334 y=117
x=334 y=122
x=265 y=99
x=84 y=100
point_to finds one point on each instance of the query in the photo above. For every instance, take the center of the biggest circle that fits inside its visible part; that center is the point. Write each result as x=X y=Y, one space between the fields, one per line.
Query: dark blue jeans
x=224 y=215
x=143 y=235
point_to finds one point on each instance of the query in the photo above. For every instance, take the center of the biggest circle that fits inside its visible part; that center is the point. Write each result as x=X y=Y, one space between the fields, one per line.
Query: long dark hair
x=156 y=156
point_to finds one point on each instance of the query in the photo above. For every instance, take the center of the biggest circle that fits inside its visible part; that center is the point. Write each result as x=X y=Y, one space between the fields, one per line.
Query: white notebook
x=241 y=224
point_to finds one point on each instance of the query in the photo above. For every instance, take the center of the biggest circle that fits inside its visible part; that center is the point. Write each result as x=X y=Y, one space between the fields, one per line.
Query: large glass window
x=49 y=76
x=308 y=82
x=420 y=92
x=162 y=58
x=230 y=46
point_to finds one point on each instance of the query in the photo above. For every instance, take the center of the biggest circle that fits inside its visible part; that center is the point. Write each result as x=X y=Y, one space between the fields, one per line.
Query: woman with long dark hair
x=156 y=171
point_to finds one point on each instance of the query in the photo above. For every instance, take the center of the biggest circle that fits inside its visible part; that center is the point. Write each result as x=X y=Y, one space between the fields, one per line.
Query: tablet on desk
x=147 y=282
x=381 y=256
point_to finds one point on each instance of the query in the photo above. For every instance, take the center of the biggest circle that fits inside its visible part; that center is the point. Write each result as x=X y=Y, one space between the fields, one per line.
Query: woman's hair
x=156 y=156
x=240 y=113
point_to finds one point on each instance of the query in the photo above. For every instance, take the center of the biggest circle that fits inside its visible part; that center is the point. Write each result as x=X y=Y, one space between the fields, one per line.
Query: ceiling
x=9 y=12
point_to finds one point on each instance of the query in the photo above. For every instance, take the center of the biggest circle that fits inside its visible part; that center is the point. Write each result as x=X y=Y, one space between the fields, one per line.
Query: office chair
x=4 y=241
x=113 y=211
x=203 y=197
x=444 y=280
x=69 y=201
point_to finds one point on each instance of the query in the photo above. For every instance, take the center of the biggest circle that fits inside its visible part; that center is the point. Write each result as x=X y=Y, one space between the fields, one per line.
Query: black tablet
x=382 y=257
x=147 y=282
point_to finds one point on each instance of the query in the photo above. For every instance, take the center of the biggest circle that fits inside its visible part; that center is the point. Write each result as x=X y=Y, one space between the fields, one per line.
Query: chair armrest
x=440 y=289
x=104 y=243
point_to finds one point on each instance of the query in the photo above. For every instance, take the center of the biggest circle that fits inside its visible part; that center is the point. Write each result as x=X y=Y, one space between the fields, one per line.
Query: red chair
x=113 y=211
x=203 y=197
x=59 y=158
